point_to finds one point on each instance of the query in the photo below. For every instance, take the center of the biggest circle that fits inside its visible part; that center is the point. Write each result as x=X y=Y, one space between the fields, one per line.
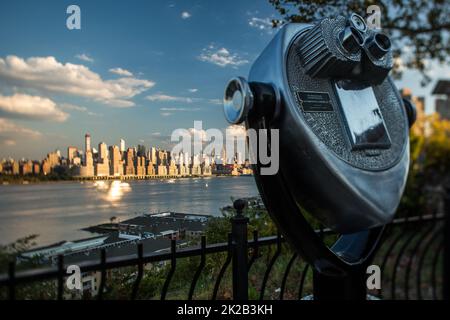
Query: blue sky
x=136 y=70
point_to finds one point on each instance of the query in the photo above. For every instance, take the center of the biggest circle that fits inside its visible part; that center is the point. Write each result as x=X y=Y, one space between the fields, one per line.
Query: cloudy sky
x=136 y=70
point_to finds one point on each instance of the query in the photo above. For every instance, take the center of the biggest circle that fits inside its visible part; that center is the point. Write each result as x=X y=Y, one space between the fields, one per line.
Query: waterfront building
x=186 y=159
x=183 y=170
x=54 y=159
x=162 y=157
x=207 y=171
x=46 y=169
x=116 y=168
x=87 y=170
x=140 y=166
x=129 y=165
x=173 y=170
x=72 y=153
x=196 y=170
x=102 y=169
x=26 y=167
x=150 y=170
x=102 y=165
x=15 y=170
x=162 y=170
x=36 y=168
x=235 y=171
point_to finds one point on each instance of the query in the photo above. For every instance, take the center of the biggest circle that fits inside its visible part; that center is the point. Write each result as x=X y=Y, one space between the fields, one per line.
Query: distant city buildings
x=419 y=128
x=442 y=102
x=132 y=162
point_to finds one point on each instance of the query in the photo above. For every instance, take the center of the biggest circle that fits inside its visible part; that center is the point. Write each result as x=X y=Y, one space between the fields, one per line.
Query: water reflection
x=66 y=208
x=112 y=192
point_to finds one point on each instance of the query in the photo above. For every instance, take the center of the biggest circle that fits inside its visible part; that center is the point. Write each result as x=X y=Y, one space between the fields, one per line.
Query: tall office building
x=162 y=158
x=140 y=166
x=116 y=168
x=173 y=169
x=153 y=156
x=72 y=153
x=102 y=151
x=122 y=145
x=129 y=166
x=87 y=142
x=87 y=170
x=102 y=165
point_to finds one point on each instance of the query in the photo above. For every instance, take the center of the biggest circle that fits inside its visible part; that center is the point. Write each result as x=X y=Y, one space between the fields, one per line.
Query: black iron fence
x=412 y=259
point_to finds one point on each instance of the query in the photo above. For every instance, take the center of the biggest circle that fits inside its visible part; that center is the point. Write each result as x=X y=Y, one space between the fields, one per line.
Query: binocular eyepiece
x=354 y=53
x=355 y=36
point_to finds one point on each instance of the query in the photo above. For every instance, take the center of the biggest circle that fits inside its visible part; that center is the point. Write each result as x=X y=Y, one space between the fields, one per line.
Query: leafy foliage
x=430 y=166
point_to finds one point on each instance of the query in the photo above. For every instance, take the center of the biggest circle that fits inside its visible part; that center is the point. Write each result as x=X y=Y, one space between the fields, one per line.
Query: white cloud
x=84 y=57
x=185 y=15
x=159 y=97
x=31 y=107
x=46 y=73
x=121 y=72
x=216 y=101
x=167 y=98
x=70 y=106
x=166 y=114
x=221 y=57
x=263 y=24
x=180 y=109
x=193 y=90
x=10 y=130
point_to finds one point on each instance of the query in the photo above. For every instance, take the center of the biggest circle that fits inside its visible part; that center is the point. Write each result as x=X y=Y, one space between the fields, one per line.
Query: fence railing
x=410 y=258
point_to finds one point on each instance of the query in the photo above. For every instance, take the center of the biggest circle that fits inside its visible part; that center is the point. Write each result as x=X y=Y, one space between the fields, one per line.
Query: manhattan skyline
x=137 y=69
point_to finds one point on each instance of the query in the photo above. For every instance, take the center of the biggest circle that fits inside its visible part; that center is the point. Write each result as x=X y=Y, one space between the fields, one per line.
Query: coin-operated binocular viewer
x=343 y=142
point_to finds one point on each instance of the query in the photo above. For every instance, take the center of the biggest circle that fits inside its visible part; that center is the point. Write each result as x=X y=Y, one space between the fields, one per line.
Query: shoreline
x=35 y=180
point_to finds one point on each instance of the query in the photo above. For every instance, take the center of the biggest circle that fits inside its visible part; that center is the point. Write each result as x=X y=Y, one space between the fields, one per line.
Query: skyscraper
x=72 y=152
x=129 y=166
x=116 y=168
x=153 y=156
x=87 y=142
x=102 y=151
x=102 y=166
x=122 y=145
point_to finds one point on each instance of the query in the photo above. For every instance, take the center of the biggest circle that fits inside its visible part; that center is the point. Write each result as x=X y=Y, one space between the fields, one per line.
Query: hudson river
x=57 y=211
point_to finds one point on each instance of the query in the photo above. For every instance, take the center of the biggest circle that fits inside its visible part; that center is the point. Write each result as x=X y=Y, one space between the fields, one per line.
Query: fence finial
x=239 y=205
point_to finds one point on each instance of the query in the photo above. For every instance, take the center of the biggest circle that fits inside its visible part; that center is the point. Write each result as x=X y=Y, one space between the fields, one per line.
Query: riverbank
x=33 y=179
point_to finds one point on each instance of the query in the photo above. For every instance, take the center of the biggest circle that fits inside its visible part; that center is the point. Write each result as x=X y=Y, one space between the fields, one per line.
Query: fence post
x=446 y=269
x=240 y=252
